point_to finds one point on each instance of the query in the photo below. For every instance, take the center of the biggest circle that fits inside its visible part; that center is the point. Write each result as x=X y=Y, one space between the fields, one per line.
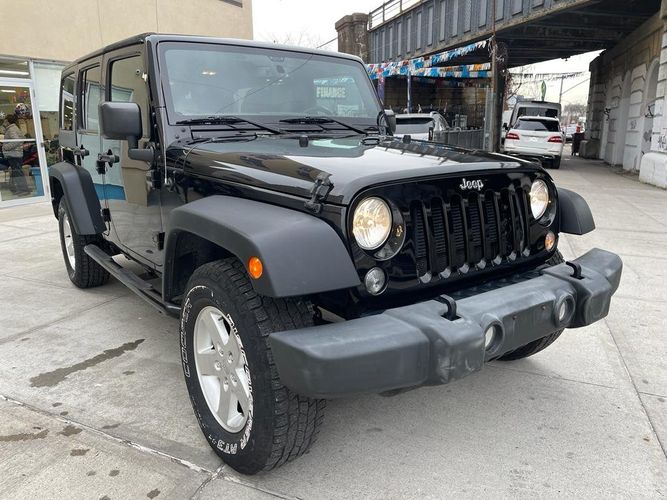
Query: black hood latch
x=321 y=188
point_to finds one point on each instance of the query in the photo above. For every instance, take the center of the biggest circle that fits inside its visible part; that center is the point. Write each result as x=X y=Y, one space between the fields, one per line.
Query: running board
x=142 y=288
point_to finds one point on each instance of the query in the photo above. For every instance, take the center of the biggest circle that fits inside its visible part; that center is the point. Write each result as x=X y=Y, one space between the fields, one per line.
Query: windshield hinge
x=319 y=192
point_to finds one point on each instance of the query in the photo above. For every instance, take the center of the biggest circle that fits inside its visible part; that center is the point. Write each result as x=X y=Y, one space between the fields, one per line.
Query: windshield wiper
x=318 y=120
x=226 y=120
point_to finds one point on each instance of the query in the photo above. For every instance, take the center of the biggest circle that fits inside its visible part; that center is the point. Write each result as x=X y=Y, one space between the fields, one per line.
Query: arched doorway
x=621 y=125
x=648 y=109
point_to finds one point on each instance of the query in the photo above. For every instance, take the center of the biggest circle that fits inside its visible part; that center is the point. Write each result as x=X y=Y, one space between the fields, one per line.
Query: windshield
x=538 y=125
x=203 y=80
x=414 y=125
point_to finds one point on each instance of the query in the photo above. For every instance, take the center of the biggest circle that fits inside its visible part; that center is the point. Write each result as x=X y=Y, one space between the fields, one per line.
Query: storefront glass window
x=14 y=68
x=20 y=172
x=47 y=89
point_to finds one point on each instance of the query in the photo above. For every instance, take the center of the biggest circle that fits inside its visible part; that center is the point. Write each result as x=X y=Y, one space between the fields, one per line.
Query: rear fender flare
x=79 y=193
x=301 y=254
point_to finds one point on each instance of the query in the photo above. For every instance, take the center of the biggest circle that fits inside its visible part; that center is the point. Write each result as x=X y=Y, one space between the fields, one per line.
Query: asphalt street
x=93 y=403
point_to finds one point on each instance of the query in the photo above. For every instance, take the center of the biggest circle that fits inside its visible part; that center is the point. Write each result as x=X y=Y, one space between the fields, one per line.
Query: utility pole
x=560 y=95
x=492 y=124
x=492 y=119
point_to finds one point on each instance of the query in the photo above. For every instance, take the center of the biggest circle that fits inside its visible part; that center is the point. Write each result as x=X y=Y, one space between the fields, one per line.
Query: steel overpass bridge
x=532 y=30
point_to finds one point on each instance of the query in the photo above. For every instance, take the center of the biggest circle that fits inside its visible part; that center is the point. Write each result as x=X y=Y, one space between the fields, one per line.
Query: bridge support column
x=653 y=166
x=353 y=35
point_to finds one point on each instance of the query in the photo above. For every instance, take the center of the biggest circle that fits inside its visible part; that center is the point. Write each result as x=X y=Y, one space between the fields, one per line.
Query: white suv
x=536 y=137
x=420 y=126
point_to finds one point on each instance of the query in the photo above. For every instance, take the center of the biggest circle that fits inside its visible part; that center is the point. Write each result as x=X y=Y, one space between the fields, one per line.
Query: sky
x=311 y=23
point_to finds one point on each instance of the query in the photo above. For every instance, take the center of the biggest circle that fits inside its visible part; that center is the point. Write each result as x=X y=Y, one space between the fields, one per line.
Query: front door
x=133 y=202
x=22 y=162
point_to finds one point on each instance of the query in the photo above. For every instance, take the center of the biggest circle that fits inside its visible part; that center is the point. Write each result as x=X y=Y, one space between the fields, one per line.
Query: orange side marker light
x=255 y=267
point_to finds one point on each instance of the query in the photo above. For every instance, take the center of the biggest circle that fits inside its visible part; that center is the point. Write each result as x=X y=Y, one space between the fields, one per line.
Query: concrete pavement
x=93 y=405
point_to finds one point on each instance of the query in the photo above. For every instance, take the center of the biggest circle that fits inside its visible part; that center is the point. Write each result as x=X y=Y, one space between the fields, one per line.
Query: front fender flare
x=575 y=214
x=301 y=254
x=79 y=193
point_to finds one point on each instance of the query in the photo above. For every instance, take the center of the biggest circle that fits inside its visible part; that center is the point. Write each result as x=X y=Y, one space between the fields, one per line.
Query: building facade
x=625 y=122
x=50 y=34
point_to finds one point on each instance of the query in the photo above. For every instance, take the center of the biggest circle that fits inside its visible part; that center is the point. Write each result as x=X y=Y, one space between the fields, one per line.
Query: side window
x=67 y=103
x=90 y=93
x=128 y=85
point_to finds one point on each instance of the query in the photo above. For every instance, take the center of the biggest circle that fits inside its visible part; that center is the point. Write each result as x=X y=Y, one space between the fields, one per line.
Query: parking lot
x=93 y=404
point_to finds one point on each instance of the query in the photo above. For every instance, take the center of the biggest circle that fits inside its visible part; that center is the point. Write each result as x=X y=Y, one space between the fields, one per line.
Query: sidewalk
x=93 y=404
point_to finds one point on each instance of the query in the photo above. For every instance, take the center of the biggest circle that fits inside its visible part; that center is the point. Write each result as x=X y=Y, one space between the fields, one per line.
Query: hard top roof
x=161 y=37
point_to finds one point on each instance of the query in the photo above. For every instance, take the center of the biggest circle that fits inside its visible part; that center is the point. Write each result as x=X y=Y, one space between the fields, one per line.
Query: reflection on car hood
x=279 y=163
x=420 y=136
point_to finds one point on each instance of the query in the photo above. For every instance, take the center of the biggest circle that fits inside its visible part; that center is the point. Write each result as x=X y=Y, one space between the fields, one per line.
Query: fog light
x=375 y=281
x=565 y=310
x=490 y=336
x=550 y=241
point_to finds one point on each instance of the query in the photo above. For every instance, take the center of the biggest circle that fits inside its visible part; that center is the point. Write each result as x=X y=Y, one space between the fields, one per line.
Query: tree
x=300 y=39
x=575 y=109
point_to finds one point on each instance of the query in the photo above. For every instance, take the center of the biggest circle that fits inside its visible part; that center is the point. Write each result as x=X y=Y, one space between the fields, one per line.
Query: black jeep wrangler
x=308 y=253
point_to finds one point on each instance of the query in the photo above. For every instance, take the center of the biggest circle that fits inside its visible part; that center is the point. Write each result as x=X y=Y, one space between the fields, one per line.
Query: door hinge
x=158 y=239
x=104 y=159
x=154 y=178
x=319 y=192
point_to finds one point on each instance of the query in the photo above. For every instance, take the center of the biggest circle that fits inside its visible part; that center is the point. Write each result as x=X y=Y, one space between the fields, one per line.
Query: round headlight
x=371 y=223
x=539 y=198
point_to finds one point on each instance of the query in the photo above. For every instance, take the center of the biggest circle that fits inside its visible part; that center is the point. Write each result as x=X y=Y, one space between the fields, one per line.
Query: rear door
x=89 y=94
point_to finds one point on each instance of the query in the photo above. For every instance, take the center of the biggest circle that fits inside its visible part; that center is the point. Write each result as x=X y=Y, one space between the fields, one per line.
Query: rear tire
x=540 y=344
x=249 y=418
x=83 y=271
x=556 y=162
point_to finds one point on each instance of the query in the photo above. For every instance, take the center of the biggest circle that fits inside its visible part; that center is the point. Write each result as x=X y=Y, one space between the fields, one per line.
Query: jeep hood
x=279 y=163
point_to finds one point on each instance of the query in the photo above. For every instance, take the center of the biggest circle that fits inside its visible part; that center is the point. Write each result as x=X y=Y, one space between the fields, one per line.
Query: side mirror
x=122 y=121
x=391 y=120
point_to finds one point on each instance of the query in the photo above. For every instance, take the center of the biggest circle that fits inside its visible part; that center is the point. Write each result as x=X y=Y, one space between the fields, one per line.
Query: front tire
x=83 y=271
x=249 y=418
x=540 y=344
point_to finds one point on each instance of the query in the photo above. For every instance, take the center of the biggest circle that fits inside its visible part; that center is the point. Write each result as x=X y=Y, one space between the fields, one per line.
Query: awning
x=427 y=66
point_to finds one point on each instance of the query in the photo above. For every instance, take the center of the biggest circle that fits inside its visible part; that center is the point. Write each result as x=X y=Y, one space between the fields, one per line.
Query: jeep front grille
x=468 y=231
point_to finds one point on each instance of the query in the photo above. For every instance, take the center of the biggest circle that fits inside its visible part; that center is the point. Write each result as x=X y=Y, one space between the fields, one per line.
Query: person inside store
x=13 y=153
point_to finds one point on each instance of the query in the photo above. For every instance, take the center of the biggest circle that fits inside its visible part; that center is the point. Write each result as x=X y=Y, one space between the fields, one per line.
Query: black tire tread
x=296 y=419
x=89 y=273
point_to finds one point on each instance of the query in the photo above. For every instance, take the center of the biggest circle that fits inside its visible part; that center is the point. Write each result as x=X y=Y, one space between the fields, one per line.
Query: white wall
x=653 y=169
x=64 y=30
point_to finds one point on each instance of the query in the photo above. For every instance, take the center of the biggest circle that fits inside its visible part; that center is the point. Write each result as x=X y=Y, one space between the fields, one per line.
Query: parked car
x=420 y=126
x=534 y=108
x=536 y=138
x=307 y=252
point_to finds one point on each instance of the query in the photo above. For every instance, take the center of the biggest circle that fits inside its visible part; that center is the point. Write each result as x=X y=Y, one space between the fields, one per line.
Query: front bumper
x=416 y=345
